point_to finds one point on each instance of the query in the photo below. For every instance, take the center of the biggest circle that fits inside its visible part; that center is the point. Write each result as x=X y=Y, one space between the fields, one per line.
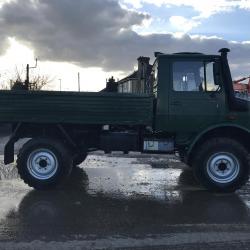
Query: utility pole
x=79 y=82
x=60 y=80
x=27 y=81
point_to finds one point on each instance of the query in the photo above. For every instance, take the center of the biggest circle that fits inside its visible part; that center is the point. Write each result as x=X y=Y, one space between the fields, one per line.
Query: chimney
x=111 y=85
x=143 y=66
x=248 y=87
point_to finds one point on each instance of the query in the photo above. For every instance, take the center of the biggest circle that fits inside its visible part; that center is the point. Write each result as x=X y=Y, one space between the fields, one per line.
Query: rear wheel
x=222 y=165
x=44 y=163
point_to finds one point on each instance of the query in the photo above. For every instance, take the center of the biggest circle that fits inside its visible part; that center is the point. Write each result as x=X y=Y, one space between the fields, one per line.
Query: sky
x=101 y=38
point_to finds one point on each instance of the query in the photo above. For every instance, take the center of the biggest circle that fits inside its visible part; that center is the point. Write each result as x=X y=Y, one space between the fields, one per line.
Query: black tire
x=221 y=165
x=40 y=154
x=78 y=159
x=182 y=156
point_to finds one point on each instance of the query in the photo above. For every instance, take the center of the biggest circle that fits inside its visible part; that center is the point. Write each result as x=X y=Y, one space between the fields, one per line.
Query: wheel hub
x=223 y=167
x=42 y=164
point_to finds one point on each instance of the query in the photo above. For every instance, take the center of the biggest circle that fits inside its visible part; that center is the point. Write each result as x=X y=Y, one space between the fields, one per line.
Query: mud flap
x=9 y=147
x=9 y=152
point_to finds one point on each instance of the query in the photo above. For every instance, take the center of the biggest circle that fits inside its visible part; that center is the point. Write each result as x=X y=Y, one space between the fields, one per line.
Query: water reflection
x=74 y=211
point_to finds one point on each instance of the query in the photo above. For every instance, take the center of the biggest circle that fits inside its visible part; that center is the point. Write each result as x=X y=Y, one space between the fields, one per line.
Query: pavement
x=122 y=202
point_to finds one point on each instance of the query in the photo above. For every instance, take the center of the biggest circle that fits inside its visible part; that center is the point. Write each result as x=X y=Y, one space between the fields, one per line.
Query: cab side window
x=193 y=76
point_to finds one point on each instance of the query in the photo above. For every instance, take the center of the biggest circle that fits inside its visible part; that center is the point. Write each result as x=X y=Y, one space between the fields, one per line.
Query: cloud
x=203 y=10
x=206 y=8
x=85 y=32
x=183 y=24
x=96 y=33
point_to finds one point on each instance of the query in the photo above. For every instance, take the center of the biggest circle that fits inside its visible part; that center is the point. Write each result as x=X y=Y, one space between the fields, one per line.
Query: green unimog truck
x=191 y=109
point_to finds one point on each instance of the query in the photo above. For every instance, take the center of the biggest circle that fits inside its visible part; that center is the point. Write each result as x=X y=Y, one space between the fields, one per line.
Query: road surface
x=132 y=202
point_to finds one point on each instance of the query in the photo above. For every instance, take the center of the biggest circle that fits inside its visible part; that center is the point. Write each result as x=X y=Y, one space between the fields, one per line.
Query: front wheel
x=44 y=163
x=222 y=165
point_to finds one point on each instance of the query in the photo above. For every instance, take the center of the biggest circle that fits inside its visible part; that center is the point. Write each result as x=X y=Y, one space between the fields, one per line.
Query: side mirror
x=217 y=73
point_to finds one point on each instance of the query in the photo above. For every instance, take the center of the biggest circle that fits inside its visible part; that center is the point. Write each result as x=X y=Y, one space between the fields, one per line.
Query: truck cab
x=186 y=83
x=193 y=93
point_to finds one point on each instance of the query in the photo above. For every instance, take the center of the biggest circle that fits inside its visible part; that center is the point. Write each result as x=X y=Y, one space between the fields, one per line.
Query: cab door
x=195 y=101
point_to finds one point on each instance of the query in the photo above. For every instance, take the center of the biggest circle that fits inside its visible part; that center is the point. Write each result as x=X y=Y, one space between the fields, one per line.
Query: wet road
x=139 y=201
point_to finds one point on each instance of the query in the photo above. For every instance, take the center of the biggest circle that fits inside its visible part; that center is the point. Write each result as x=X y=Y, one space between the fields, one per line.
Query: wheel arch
x=239 y=133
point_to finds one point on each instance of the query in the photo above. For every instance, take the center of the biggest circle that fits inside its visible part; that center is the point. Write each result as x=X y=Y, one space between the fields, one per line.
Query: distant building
x=137 y=82
x=128 y=84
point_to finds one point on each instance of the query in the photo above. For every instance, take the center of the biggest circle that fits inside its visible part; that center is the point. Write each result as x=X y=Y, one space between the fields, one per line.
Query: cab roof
x=184 y=54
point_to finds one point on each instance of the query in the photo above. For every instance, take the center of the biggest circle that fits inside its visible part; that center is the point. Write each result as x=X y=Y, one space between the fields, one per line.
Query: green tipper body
x=75 y=108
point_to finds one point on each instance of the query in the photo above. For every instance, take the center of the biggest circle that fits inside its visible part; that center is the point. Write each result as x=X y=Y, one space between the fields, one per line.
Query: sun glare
x=63 y=76
x=18 y=53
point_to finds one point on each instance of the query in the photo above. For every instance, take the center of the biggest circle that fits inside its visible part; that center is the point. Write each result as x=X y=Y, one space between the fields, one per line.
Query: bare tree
x=36 y=82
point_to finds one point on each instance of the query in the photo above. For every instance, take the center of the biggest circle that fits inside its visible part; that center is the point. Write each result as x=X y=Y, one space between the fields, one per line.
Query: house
x=137 y=82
